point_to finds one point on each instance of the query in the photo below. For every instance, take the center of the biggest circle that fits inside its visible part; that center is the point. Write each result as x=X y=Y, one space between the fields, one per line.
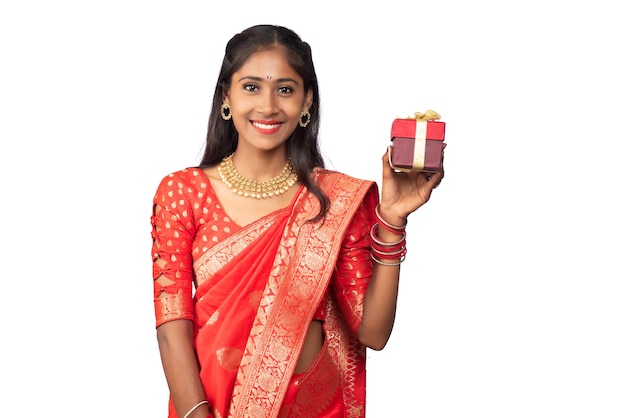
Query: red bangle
x=395 y=250
x=381 y=250
x=377 y=241
x=386 y=225
x=390 y=256
x=387 y=263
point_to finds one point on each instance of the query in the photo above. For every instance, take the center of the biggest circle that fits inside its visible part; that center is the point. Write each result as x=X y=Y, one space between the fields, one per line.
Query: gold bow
x=429 y=115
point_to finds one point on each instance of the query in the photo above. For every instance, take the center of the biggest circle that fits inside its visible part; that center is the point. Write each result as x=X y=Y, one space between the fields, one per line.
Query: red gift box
x=417 y=143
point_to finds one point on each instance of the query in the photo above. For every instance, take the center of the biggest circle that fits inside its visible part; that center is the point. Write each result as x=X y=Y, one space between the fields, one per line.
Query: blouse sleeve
x=173 y=232
x=354 y=265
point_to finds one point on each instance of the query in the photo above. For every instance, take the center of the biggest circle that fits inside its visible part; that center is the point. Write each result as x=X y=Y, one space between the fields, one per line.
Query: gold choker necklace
x=256 y=189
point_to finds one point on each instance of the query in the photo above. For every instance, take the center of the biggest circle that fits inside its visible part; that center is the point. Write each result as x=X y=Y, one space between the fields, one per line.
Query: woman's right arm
x=173 y=233
x=180 y=364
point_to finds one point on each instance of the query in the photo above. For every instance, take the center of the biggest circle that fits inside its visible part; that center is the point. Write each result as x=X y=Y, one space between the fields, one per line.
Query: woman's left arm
x=401 y=194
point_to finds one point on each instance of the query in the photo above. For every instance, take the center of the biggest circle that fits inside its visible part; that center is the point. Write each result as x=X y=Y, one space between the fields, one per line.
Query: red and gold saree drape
x=257 y=289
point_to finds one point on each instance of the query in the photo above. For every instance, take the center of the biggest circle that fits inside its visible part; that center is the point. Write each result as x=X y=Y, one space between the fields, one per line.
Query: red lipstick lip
x=271 y=126
x=266 y=122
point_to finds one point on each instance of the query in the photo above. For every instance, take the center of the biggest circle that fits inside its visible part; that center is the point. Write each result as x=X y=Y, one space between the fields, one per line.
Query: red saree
x=257 y=289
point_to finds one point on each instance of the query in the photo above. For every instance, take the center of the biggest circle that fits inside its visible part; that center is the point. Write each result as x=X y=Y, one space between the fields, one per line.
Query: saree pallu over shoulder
x=300 y=275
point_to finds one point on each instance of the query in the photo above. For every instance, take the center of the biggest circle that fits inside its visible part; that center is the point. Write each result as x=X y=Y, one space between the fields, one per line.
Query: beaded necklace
x=256 y=189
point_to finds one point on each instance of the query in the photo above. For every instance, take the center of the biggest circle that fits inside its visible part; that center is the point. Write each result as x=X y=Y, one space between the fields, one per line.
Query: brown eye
x=285 y=90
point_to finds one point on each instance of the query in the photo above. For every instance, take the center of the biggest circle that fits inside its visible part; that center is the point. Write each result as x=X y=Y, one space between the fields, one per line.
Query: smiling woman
x=266 y=109
x=272 y=274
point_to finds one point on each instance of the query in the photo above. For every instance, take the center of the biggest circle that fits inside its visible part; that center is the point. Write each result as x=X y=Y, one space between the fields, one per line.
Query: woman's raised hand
x=403 y=193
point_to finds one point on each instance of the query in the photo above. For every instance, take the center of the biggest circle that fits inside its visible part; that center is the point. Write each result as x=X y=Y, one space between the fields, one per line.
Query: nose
x=267 y=103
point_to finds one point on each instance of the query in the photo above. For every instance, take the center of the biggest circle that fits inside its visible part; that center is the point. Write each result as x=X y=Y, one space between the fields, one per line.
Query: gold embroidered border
x=293 y=292
x=223 y=252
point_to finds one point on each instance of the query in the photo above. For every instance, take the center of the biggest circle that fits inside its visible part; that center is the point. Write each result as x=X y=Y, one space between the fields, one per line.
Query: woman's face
x=266 y=97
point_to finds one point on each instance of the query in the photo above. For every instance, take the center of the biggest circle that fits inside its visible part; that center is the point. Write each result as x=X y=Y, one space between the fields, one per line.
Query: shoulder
x=347 y=194
x=331 y=180
x=182 y=182
x=186 y=175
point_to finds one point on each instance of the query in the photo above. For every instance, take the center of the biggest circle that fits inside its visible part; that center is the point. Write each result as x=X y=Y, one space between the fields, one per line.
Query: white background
x=512 y=295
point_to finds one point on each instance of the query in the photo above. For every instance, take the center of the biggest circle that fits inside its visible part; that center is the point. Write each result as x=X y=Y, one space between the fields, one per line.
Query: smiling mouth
x=266 y=126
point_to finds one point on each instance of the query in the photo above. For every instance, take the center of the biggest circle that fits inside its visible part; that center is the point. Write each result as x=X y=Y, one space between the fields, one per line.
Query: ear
x=308 y=99
x=225 y=98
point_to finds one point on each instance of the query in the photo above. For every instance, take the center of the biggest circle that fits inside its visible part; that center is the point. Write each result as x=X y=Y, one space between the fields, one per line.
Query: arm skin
x=402 y=194
x=180 y=364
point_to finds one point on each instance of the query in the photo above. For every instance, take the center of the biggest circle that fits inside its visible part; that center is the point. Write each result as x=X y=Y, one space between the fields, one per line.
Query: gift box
x=417 y=143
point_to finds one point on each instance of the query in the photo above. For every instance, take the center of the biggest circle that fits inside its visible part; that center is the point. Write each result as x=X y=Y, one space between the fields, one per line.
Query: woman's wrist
x=388 y=245
x=390 y=222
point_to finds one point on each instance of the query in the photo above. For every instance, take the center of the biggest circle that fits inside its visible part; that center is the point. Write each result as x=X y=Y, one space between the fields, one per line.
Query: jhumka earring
x=305 y=118
x=225 y=111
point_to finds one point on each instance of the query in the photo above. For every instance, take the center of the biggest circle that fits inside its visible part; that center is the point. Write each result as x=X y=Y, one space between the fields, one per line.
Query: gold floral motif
x=229 y=357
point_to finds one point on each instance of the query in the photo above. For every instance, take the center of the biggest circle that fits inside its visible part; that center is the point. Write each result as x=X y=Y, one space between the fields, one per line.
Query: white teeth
x=264 y=126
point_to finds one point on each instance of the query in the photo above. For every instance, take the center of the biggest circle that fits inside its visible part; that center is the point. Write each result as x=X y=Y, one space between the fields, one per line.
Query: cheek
x=295 y=109
x=239 y=120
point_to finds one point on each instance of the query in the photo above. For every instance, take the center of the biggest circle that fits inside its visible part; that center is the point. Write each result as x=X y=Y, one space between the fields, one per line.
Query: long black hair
x=302 y=145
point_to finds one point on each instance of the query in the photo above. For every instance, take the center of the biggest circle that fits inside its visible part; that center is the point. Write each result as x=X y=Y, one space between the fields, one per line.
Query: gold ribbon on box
x=429 y=115
x=419 y=149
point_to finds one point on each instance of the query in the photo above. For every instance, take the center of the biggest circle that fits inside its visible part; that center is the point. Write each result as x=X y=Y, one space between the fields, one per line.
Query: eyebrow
x=278 y=80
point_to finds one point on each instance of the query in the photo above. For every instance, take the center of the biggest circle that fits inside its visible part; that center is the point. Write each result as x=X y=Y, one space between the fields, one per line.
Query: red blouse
x=188 y=219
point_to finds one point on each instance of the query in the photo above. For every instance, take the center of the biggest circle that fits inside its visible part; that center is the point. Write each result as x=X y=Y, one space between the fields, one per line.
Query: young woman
x=272 y=274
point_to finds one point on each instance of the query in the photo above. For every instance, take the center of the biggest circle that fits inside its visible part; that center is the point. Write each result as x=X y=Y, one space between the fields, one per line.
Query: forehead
x=268 y=63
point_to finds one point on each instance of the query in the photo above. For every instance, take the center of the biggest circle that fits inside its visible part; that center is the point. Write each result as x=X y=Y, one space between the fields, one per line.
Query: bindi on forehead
x=269 y=77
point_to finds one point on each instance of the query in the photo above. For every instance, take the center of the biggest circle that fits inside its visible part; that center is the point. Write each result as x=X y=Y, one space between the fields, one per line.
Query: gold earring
x=305 y=118
x=225 y=111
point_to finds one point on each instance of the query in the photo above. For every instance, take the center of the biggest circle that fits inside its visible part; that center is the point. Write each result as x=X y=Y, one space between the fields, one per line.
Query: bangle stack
x=387 y=253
